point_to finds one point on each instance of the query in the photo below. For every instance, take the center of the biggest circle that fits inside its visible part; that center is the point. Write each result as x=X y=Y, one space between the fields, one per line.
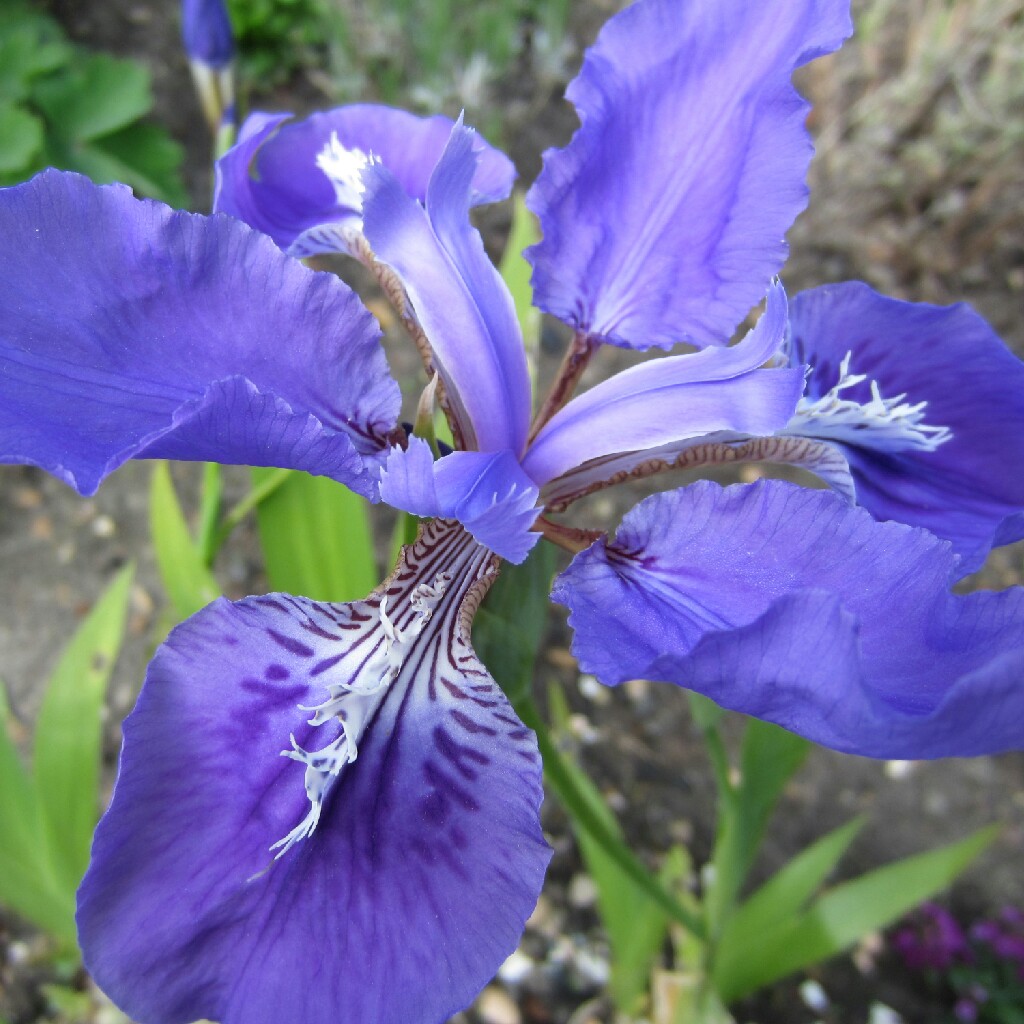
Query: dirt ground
x=903 y=230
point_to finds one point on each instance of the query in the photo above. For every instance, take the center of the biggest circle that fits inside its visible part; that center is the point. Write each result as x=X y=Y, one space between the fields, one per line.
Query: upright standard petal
x=457 y=295
x=128 y=329
x=969 y=489
x=272 y=179
x=674 y=399
x=400 y=899
x=664 y=217
x=793 y=606
x=487 y=492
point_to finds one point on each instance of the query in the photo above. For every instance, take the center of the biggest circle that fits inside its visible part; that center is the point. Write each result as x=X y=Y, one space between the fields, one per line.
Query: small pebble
x=544 y=919
x=28 y=497
x=561 y=657
x=17 y=952
x=593 y=967
x=42 y=528
x=84 y=512
x=637 y=690
x=867 y=952
x=495 y=1006
x=814 y=996
x=582 y=892
x=104 y=527
x=591 y=689
x=882 y=1014
x=615 y=800
x=517 y=968
x=900 y=769
x=580 y=726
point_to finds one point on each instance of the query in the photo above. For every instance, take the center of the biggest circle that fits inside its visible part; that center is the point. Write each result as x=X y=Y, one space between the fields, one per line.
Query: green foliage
x=837 y=919
x=63 y=106
x=516 y=273
x=50 y=810
x=769 y=757
x=277 y=37
x=189 y=583
x=509 y=627
x=637 y=926
x=316 y=539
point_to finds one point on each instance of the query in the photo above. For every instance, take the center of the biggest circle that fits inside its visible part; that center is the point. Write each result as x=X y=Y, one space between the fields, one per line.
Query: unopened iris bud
x=206 y=33
x=210 y=45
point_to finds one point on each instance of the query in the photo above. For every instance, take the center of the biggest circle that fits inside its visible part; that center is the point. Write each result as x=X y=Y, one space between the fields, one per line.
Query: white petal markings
x=408 y=643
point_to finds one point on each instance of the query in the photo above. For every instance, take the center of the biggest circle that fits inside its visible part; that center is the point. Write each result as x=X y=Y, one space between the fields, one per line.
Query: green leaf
x=99 y=96
x=19 y=837
x=33 y=892
x=510 y=626
x=31 y=44
x=752 y=931
x=69 y=733
x=316 y=538
x=108 y=159
x=852 y=910
x=769 y=758
x=516 y=271
x=141 y=155
x=28 y=881
x=189 y=584
x=565 y=780
x=211 y=498
x=636 y=925
x=21 y=137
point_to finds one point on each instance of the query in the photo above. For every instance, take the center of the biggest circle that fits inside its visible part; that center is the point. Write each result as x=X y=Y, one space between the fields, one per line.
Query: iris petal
x=792 y=606
x=485 y=491
x=458 y=297
x=427 y=858
x=670 y=400
x=970 y=490
x=664 y=216
x=271 y=180
x=128 y=329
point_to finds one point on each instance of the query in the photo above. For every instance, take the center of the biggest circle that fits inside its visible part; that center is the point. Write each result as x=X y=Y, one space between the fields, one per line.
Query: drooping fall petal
x=426 y=857
x=793 y=606
x=128 y=329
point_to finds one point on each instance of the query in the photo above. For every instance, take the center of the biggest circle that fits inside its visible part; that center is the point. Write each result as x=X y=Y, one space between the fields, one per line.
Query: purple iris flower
x=379 y=871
